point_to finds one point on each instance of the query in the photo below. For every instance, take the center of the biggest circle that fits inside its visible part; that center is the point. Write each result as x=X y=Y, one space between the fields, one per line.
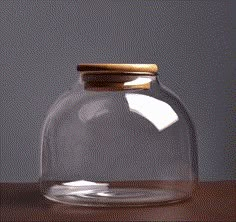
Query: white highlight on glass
x=81 y=183
x=92 y=110
x=79 y=187
x=138 y=81
x=159 y=113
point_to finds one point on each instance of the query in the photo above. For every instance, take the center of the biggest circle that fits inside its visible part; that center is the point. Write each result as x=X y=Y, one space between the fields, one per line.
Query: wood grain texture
x=212 y=201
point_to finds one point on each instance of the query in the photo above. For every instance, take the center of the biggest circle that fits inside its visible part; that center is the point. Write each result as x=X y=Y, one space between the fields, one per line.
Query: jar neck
x=116 y=81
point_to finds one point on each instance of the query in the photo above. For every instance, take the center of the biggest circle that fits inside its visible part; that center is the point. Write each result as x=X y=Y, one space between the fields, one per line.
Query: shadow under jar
x=118 y=138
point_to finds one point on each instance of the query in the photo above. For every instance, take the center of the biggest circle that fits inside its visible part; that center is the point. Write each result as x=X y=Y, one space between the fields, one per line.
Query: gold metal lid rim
x=102 y=67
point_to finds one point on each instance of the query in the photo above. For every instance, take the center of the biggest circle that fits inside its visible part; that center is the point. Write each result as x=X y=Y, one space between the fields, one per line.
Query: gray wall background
x=41 y=42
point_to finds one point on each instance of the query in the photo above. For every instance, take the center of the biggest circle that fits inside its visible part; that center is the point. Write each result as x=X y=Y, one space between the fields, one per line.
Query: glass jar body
x=118 y=148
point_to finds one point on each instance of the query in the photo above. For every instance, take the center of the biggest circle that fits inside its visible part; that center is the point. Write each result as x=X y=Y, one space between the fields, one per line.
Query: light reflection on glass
x=79 y=187
x=82 y=183
x=138 y=81
x=159 y=113
x=92 y=110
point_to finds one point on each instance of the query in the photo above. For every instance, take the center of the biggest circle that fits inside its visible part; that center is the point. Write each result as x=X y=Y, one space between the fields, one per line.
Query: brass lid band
x=150 y=68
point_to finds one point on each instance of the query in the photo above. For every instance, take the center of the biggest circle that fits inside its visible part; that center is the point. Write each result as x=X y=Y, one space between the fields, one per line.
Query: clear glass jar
x=118 y=138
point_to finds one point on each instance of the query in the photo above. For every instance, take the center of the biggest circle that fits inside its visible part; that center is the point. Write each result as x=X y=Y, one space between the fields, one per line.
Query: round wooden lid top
x=150 y=68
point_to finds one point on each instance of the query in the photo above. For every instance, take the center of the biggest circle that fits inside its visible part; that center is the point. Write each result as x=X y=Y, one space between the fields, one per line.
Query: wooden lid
x=106 y=77
x=136 y=68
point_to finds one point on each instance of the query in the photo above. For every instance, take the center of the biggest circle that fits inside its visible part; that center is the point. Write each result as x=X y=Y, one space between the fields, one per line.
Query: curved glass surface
x=118 y=148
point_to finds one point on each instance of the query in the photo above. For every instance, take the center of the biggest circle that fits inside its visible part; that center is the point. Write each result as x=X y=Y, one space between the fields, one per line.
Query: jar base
x=109 y=197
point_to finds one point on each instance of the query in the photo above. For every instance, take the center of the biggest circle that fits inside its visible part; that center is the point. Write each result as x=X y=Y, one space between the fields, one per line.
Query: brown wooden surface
x=212 y=201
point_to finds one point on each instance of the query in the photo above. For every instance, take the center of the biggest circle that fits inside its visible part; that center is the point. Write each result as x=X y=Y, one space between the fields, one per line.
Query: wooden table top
x=212 y=201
